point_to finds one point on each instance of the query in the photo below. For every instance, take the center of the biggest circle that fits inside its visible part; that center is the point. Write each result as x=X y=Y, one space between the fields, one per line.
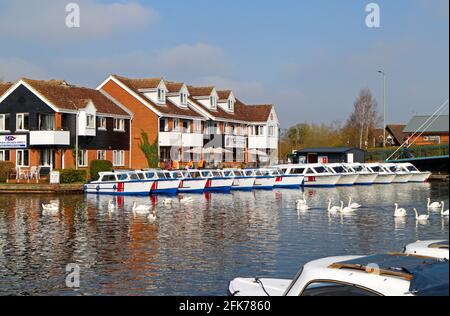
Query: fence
x=412 y=152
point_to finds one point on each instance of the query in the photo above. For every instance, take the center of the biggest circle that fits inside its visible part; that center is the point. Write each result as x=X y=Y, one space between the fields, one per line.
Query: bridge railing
x=412 y=152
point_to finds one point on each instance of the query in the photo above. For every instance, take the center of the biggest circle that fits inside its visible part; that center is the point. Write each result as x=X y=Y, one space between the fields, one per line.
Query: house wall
x=423 y=141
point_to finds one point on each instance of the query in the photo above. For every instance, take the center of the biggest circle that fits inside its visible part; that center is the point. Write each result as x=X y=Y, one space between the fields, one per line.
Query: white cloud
x=45 y=19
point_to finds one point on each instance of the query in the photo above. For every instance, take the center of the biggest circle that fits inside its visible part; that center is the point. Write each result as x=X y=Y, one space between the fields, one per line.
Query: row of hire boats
x=156 y=181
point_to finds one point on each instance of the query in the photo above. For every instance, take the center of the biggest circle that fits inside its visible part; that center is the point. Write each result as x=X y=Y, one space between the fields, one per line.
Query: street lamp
x=384 y=106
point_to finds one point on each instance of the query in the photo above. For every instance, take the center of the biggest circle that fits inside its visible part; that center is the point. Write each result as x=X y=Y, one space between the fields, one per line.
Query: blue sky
x=309 y=58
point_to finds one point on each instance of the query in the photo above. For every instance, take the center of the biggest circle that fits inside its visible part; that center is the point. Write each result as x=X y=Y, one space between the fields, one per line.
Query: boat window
x=321 y=169
x=339 y=170
x=122 y=177
x=168 y=175
x=335 y=289
x=134 y=176
x=228 y=173
x=309 y=170
x=108 y=178
x=283 y=171
x=377 y=169
x=177 y=175
x=216 y=174
x=150 y=175
x=412 y=168
x=393 y=168
x=161 y=175
x=258 y=173
x=238 y=173
x=206 y=174
x=297 y=171
x=249 y=173
x=358 y=168
x=141 y=176
x=195 y=175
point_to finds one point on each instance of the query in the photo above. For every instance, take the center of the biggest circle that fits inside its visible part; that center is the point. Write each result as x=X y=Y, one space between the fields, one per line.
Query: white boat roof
x=433 y=248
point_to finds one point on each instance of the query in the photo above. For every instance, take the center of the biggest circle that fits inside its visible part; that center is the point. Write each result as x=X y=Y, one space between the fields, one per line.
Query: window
x=213 y=101
x=183 y=98
x=118 y=158
x=82 y=158
x=90 y=121
x=4 y=122
x=227 y=128
x=4 y=155
x=22 y=158
x=161 y=95
x=46 y=122
x=22 y=122
x=187 y=154
x=102 y=123
x=186 y=127
x=198 y=127
x=239 y=155
x=46 y=157
x=176 y=125
x=335 y=289
x=101 y=154
x=119 y=125
x=164 y=125
x=271 y=131
x=230 y=105
x=235 y=129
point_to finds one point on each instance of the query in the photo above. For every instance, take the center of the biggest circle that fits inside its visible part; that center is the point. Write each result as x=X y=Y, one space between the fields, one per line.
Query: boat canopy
x=439 y=245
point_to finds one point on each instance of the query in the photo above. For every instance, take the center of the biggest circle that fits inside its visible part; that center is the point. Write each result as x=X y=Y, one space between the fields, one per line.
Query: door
x=313 y=158
x=350 y=158
x=47 y=159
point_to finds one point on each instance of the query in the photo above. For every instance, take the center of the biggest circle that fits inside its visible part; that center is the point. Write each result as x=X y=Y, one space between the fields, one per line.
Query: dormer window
x=183 y=98
x=161 y=95
x=230 y=105
x=213 y=102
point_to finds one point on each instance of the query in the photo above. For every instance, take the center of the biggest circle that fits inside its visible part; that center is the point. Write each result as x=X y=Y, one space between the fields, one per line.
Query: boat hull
x=289 y=181
x=315 y=180
x=243 y=183
x=347 y=179
x=264 y=183
x=420 y=177
x=366 y=179
x=192 y=186
x=384 y=178
x=169 y=187
x=402 y=178
x=219 y=185
x=141 y=188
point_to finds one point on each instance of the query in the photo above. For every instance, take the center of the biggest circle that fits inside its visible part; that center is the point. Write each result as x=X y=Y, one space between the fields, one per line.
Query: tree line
x=356 y=131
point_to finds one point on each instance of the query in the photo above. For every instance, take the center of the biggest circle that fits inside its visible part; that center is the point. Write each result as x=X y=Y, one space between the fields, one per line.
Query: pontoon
x=119 y=183
x=162 y=181
x=288 y=179
x=392 y=274
x=417 y=175
x=365 y=176
x=191 y=181
x=401 y=176
x=347 y=178
x=264 y=180
x=240 y=180
x=384 y=176
x=216 y=180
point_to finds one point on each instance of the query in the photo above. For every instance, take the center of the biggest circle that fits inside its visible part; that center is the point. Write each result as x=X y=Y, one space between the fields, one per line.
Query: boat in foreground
x=241 y=181
x=264 y=180
x=347 y=178
x=216 y=181
x=162 y=181
x=429 y=248
x=416 y=174
x=316 y=175
x=384 y=176
x=191 y=181
x=119 y=183
x=401 y=176
x=289 y=178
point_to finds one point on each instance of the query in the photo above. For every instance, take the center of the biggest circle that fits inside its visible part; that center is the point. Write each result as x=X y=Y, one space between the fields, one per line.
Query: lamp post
x=384 y=106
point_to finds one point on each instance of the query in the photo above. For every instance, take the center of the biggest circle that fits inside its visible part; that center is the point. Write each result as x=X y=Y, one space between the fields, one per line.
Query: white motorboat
x=191 y=181
x=162 y=181
x=216 y=181
x=264 y=180
x=416 y=174
x=119 y=183
x=287 y=178
x=384 y=176
x=348 y=178
x=401 y=176
x=315 y=175
x=240 y=180
x=365 y=177
x=392 y=274
x=429 y=248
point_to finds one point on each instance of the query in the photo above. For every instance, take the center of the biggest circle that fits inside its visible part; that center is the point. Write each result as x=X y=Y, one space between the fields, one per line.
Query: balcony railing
x=61 y=138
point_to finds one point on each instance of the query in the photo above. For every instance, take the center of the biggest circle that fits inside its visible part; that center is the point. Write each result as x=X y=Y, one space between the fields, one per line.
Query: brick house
x=431 y=130
x=54 y=125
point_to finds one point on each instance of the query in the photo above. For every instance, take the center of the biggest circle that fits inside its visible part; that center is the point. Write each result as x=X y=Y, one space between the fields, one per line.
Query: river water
x=197 y=248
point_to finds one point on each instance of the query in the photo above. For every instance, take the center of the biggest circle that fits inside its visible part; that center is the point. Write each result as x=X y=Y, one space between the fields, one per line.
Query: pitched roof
x=169 y=108
x=4 y=87
x=434 y=125
x=173 y=86
x=258 y=113
x=396 y=130
x=68 y=97
x=200 y=91
x=224 y=94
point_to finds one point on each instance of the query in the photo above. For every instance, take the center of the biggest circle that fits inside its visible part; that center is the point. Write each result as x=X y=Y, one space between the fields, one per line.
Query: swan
x=152 y=217
x=111 y=206
x=334 y=209
x=434 y=204
x=421 y=217
x=399 y=212
x=443 y=213
x=303 y=200
x=345 y=210
x=302 y=206
x=353 y=205
x=51 y=207
x=141 y=209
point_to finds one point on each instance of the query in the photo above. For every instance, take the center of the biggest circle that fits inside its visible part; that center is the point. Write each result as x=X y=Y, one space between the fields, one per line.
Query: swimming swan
x=353 y=205
x=141 y=209
x=334 y=209
x=421 y=217
x=399 y=212
x=434 y=204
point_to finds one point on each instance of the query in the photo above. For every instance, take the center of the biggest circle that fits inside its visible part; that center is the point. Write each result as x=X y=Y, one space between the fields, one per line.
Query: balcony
x=41 y=138
x=262 y=142
x=192 y=140
x=168 y=139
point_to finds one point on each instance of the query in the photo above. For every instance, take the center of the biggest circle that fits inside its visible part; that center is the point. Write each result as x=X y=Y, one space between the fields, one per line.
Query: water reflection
x=195 y=248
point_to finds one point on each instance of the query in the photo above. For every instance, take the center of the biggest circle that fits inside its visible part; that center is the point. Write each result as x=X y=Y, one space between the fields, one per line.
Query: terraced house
x=47 y=125
x=194 y=123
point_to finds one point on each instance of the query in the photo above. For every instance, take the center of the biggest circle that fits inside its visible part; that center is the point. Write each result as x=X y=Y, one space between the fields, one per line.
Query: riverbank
x=33 y=188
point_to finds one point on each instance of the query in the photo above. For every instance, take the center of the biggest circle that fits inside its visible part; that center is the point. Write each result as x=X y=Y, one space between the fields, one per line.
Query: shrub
x=99 y=166
x=72 y=176
x=6 y=168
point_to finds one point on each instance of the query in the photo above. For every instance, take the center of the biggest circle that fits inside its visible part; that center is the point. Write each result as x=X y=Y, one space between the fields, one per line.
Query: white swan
x=443 y=213
x=302 y=206
x=345 y=210
x=421 y=217
x=334 y=209
x=51 y=207
x=434 y=204
x=353 y=205
x=152 y=217
x=303 y=200
x=399 y=212
x=111 y=206
x=141 y=209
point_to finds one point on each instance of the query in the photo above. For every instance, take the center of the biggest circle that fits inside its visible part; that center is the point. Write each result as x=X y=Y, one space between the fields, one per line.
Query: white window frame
x=90 y=121
x=161 y=95
x=23 y=121
x=183 y=99
x=176 y=125
x=102 y=127
x=83 y=153
x=121 y=125
x=197 y=126
x=18 y=164
x=3 y=120
x=101 y=155
x=3 y=155
x=213 y=101
x=230 y=105
x=118 y=158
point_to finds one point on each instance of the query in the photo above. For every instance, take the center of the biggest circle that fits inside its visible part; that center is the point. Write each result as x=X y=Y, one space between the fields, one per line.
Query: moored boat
x=348 y=178
x=287 y=178
x=216 y=181
x=263 y=178
x=240 y=180
x=416 y=174
x=365 y=176
x=191 y=181
x=384 y=176
x=162 y=181
x=315 y=175
x=401 y=176
x=119 y=183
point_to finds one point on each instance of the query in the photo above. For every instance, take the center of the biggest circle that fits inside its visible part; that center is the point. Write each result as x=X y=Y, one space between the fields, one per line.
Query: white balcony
x=168 y=139
x=262 y=142
x=192 y=140
x=40 y=138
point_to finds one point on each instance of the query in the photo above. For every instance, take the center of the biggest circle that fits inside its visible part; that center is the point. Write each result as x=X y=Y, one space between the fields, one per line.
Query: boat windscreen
x=439 y=245
x=340 y=169
x=150 y=175
x=412 y=168
x=122 y=177
x=297 y=170
x=321 y=170
x=161 y=175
